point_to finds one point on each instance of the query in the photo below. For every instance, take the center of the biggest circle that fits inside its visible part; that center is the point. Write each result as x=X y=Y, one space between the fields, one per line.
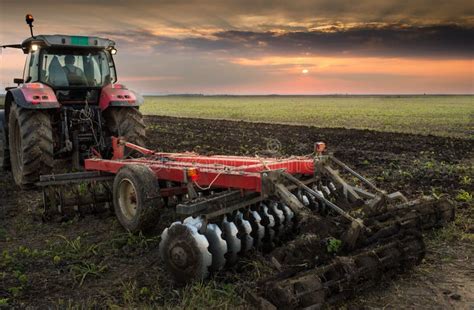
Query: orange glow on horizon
x=364 y=65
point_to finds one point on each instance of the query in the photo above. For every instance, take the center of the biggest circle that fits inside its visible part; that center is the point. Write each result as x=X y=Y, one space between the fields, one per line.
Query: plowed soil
x=90 y=261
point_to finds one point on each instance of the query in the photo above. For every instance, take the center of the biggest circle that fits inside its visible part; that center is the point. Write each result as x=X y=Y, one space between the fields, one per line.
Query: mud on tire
x=137 y=200
x=31 y=145
x=126 y=122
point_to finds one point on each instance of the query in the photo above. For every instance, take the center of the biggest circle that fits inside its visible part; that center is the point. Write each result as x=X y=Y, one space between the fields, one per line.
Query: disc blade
x=185 y=252
x=289 y=216
x=245 y=230
x=217 y=246
x=258 y=231
x=268 y=222
x=233 y=243
x=279 y=219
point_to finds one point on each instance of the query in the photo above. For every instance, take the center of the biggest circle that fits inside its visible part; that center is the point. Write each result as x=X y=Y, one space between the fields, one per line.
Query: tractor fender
x=33 y=96
x=117 y=95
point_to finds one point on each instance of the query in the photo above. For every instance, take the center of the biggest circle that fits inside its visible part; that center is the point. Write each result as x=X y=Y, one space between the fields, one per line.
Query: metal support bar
x=363 y=193
x=76 y=177
x=284 y=194
x=321 y=198
x=348 y=191
x=191 y=208
x=360 y=177
x=249 y=200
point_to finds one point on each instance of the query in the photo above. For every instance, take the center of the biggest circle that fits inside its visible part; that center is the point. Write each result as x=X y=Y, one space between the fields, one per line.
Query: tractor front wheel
x=31 y=145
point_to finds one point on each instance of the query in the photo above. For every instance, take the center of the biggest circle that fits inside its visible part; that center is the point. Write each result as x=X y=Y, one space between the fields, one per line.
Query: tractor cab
x=66 y=106
x=75 y=67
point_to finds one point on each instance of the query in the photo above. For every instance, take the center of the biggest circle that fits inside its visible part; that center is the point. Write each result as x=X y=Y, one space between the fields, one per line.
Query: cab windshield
x=76 y=68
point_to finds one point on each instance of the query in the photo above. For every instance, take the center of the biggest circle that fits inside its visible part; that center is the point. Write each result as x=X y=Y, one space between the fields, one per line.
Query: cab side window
x=30 y=73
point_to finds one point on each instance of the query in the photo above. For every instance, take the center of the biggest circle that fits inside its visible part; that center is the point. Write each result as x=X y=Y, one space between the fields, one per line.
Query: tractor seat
x=56 y=74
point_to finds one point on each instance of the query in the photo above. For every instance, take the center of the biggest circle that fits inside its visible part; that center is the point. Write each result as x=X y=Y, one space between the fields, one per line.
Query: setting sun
x=305 y=71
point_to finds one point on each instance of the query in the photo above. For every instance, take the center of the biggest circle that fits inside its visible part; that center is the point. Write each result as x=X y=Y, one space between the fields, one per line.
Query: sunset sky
x=265 y=47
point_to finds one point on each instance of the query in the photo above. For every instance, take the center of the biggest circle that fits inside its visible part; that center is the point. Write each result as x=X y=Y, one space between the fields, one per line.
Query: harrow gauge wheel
x=127 y=198
x=137 y=200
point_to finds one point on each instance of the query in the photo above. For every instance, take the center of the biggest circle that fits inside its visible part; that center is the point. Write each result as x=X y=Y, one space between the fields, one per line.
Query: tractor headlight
x=34 y=48
x=113 y=51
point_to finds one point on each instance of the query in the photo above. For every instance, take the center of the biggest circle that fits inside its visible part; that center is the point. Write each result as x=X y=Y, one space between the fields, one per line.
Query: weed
x=129 y=292
x=436 y=193
x=465 y=180
x=82 y=188
x=210 y=294
x=76 y=248
x=333 y=245
x=84 y=269
x=464 y=196
x=15 y=291
x=56 y=259
x=256 y=268
x=133 y=241
x=3 y=302
x=21 y=277
x=429 y=165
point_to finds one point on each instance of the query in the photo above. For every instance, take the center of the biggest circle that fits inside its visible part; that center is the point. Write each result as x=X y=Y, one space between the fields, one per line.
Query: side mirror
x=18 y=81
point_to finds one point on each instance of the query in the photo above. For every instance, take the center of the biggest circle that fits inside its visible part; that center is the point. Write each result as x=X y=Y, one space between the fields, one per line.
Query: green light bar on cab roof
x=59 y=40
x=76 y=40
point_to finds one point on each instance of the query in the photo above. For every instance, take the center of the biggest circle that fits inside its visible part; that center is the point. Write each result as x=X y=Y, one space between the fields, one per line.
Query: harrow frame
x=228 y=205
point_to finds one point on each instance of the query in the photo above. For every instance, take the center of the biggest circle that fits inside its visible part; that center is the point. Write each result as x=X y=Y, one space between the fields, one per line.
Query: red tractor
x=67 y=106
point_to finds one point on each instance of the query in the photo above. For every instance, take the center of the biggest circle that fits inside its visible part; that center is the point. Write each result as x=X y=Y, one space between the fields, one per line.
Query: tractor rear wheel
x=137 y=200
x=31 y=145
x=127 y=123
x=4 y=152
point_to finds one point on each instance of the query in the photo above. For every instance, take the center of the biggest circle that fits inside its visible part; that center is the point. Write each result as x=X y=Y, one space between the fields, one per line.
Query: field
x=89 y=261
x=437 y=115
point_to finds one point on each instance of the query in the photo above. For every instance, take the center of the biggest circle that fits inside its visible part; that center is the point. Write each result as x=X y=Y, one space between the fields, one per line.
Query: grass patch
x=438 y=115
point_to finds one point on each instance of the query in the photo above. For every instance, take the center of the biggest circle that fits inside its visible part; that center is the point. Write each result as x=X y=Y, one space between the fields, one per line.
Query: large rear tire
x=4 y=151
x=31 y=145
x=127 y=123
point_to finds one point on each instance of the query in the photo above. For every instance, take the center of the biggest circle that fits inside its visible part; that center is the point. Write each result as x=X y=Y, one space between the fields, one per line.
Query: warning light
x=319 y=147
x=29 y=19
x=33 y=85
x=193 y=174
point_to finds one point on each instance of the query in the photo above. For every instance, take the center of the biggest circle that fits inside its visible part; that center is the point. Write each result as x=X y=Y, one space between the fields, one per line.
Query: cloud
x=259 y=46
x=382 y=40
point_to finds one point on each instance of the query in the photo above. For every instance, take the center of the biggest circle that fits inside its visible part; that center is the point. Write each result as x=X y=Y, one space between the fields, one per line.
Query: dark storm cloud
x=438 y=41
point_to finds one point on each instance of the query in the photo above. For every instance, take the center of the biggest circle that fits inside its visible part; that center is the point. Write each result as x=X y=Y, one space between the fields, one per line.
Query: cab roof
x=59 y=40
